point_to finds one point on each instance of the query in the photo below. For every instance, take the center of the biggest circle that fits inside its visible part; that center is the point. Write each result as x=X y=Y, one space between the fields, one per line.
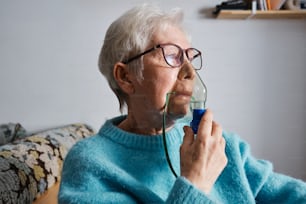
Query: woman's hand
x=203 y=157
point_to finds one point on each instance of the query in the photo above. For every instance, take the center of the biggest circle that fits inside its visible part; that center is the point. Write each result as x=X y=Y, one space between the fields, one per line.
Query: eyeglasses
x=174 y=55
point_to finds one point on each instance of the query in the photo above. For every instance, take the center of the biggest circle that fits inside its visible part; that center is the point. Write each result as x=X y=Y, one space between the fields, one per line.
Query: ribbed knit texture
x=115 y=166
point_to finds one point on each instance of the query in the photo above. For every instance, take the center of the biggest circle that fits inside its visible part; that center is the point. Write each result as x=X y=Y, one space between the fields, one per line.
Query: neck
x=144 y=124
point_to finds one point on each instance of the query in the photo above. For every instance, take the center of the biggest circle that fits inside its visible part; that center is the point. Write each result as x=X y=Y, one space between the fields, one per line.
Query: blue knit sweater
x=115 y=166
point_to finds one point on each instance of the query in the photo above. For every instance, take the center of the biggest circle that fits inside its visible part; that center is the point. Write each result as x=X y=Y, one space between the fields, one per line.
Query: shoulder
x=239 y=152
x=97 y=140
x=234 y=142
x=236 y=147
x=95 y=146
x=84 y=150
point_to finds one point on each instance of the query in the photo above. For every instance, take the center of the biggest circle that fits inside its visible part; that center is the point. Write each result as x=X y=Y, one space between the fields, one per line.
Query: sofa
x=30 y=165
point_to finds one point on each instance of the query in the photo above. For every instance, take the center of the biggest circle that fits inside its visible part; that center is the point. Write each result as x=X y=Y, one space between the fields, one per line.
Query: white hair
x=130 y=35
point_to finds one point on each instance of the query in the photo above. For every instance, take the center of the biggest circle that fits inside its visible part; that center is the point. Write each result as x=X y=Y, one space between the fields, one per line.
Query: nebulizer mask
x=197 y=107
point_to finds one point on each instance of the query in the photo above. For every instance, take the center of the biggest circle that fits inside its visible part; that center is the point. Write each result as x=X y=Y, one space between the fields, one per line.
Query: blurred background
x=255 y=71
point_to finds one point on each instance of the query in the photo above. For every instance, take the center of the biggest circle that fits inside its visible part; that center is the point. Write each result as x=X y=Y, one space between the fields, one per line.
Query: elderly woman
x=147 y=55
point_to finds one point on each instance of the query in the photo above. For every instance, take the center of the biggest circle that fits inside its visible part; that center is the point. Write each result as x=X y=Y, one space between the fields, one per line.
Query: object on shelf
x=264 y=5
x=231 y=5
x=260 y=5
x=293 y=5
x=303 y=4
x=275 y=4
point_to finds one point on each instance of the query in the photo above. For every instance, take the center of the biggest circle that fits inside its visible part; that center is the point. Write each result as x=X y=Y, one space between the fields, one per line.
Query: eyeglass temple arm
x=139 y=55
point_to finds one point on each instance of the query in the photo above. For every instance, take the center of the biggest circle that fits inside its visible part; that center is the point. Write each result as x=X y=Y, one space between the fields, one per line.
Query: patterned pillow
x=10 y=132
x=30 y=166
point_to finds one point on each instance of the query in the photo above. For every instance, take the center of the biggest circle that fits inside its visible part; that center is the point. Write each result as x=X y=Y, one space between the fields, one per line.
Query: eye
x=173 y=59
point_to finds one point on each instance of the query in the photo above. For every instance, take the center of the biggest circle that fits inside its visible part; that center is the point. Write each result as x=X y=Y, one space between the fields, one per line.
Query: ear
x=123 y=77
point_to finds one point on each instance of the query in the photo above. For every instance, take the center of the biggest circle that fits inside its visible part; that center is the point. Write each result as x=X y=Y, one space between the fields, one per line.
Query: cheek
x=157 y=87
x=161 y=77
x=163 y=84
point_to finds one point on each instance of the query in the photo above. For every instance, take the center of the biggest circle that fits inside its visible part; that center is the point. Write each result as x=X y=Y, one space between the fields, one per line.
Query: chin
x=178 y=112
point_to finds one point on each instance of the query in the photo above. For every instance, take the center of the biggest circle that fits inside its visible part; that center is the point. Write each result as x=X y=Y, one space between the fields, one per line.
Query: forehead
x=171 y=34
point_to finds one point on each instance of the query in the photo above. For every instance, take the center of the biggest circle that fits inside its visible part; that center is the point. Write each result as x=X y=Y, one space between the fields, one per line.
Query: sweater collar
x=139 y=141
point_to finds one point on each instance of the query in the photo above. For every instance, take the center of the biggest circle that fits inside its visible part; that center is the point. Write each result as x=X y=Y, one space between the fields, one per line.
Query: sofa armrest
x=32 y=165
x=50 y=196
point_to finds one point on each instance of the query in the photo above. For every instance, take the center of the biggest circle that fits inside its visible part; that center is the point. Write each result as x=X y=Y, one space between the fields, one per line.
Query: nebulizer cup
x=197 y=109
x=198 y=102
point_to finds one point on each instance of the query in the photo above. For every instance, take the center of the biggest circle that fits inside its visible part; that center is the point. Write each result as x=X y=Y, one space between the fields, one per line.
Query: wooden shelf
x=273 y=14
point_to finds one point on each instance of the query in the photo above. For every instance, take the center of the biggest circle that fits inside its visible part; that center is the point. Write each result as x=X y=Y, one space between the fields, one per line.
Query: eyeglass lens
x=174 y=56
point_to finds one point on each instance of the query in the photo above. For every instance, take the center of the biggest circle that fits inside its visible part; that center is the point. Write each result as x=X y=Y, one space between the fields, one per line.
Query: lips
x=182 y=96
x=183 y=93
x=183 y=89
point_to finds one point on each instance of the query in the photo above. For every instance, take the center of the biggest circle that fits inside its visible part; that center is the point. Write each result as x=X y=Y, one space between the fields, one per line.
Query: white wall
x=255 y=71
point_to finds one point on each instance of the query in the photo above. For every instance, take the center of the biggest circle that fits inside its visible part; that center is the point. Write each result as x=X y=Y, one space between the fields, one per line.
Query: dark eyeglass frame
x=162 y=47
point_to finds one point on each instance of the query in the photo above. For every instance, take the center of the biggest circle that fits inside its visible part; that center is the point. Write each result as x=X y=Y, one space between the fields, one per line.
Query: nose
x=186 y=71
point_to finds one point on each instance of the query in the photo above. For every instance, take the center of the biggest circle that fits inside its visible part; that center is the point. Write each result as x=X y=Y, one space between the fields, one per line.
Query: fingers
x=210 y=132
x=216 y=131
x=203 y=157
x=205 y=126
x=189 y=136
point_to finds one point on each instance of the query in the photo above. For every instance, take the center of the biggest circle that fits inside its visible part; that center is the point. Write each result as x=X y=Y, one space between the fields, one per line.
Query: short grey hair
x=130 y=35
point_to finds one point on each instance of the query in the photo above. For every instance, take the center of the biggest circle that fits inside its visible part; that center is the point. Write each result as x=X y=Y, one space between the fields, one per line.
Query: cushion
x=10 y=132
x=31 y=165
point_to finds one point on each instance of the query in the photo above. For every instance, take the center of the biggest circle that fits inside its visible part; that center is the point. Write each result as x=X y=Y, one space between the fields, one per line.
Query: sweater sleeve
x=184 y=192
x=268 y=186
x=282 y=189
